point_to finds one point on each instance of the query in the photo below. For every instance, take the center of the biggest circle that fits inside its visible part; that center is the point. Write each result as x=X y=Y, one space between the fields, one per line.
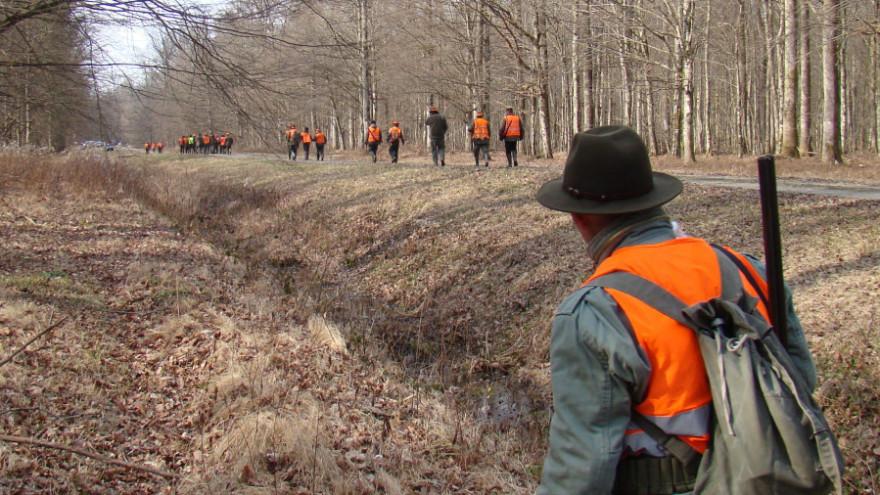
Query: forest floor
x=246 y=324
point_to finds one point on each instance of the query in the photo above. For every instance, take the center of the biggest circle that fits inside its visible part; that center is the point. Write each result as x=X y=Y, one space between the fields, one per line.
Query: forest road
x=815 y=187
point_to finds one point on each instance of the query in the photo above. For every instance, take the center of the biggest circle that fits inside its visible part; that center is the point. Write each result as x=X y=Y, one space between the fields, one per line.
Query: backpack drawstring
x=717 y=325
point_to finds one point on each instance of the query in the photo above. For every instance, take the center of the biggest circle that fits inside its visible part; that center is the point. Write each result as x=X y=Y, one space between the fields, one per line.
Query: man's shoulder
x=579 y=300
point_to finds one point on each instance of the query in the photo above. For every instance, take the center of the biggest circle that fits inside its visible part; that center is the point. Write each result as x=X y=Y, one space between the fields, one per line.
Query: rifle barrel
x=772 y=244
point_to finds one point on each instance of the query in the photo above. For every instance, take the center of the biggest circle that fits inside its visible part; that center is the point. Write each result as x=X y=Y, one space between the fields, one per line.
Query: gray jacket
x=598 y=373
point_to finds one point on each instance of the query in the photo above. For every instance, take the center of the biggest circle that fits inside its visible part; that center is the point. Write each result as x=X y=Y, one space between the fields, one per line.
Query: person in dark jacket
x=437 y=133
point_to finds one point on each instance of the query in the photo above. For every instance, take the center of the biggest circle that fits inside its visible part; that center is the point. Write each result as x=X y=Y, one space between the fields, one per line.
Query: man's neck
x=608 y=239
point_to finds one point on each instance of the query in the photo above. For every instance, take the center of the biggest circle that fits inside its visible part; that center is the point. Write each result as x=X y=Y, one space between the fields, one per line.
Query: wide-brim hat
x=608 y=172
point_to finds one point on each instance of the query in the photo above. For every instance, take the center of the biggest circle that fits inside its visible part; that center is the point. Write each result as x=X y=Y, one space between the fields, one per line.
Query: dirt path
x=789 y=185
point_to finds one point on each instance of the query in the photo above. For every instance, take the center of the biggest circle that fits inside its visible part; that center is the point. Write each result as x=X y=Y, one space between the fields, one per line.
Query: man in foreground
x=612 y=355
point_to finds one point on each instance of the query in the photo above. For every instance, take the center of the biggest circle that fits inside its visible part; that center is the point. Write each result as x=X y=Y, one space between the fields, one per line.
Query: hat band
x=577 y=193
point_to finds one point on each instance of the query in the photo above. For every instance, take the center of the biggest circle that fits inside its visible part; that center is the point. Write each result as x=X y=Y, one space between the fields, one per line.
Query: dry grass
x=439 y=285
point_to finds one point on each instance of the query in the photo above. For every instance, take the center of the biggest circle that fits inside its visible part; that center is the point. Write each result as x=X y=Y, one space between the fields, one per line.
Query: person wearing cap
x=293 y=138
x=479 y=131
x=395 y=139
x=437 y=133
x=373 y=139
x=511 y=132
x=614 y=360
x=320 y=142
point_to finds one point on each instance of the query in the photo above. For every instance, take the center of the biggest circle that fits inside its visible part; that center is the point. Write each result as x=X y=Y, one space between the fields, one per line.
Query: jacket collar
x=648 y=227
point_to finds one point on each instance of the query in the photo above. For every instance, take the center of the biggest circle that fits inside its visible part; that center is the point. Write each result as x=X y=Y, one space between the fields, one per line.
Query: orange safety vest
x=320 y=138
x=146 y=146
x=394 y=133
x=206 y=139
x=306 y=137
x=222 y=140
x=291 y=133
x=481 y=129
x=374 y=135
x=678 y=398
x=512 y=126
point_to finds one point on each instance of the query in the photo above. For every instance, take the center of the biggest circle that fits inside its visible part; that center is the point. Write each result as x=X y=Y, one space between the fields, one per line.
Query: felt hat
x=608 y=172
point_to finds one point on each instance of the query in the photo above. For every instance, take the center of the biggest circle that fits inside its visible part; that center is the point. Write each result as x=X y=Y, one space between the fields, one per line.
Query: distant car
x=97 y=144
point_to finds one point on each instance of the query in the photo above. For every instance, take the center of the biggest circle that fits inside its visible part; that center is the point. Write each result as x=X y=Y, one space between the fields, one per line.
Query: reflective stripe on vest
x=374 y=135
x=678 y=398
x=320 y=138
x=481 y=129
x=512 y=126
x=306 y=137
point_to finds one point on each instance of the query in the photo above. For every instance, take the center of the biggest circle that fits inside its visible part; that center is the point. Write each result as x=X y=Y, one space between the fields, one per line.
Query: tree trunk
x=589 y=81
x=789 y=113
x=687 y=81
x=830 y=83
x=543 y=67
x=575 y=74
x=742 y=85
x=875 y=79
x=805 y=131
x=366 y=83
x=707 y=88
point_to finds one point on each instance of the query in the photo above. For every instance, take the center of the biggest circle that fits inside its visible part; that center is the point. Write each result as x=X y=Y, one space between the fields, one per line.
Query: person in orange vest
x=373 y=139
x=160 y=146
x=395 y=139
x=206 y=143
x=320 y=141
x=479 y=131
x=222 y=142
x=306 y=139
x=292 y=142
x=147 y=147
x=181 y=141
x=511 y=132
x=616 y=361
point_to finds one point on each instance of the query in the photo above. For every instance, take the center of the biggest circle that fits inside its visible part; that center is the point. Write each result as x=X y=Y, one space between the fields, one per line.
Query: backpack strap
x=749 y=274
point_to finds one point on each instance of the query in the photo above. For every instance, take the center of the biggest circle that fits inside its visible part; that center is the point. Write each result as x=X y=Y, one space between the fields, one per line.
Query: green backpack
x=769 y=436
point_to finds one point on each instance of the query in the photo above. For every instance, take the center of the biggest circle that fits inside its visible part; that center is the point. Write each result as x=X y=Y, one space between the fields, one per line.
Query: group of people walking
x=154 y=146
x=205 y=143
x=295 y=138
x=511 y=132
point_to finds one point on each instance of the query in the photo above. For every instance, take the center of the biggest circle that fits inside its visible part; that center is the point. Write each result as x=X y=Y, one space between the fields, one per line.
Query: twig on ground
x=33 y=339
x=97 y=457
